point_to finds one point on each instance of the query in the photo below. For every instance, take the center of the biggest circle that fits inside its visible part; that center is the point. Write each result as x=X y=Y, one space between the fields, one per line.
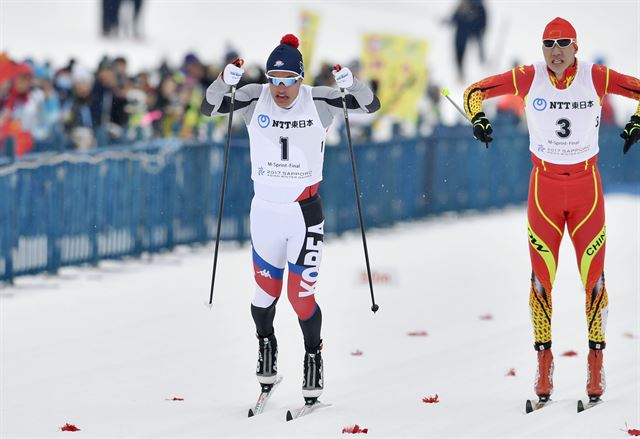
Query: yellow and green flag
x=399 y=64
x=309 y=23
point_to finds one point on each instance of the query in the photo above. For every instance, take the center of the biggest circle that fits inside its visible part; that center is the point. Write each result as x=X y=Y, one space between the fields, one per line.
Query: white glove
x=232 y=74
x=343 y=76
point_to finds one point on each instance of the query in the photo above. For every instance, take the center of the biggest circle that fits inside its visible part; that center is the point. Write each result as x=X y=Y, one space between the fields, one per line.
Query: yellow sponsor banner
x=309 y=23
x=399 y=65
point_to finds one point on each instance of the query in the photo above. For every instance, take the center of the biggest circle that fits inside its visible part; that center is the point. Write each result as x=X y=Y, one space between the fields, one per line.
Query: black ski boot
x=313 y=375
x=267 y=368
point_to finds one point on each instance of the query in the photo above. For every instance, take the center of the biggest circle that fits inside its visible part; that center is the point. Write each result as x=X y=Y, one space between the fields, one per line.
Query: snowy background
x=59 y=29
x=108 y=348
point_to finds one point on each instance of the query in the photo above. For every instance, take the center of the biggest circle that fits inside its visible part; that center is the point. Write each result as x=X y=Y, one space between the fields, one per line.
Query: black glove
x=631 y=133
x=482 y=128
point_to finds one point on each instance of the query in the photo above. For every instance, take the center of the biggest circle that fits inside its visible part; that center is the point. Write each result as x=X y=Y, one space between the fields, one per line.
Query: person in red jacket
x=15 y=86
x=563 y=100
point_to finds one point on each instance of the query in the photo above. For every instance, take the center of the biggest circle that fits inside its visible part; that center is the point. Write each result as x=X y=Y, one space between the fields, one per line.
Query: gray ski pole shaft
x=227 y=152
x=445 y=93
x=374 y=306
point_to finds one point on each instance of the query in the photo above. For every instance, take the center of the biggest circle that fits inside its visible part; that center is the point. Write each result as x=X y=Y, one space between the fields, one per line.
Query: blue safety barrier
x=60 y=209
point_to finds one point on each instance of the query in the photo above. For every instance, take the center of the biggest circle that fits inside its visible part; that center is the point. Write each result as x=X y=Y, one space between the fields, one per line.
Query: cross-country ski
x=265 y=394
x=531 y=406
x=590 y=403
x=308 y=408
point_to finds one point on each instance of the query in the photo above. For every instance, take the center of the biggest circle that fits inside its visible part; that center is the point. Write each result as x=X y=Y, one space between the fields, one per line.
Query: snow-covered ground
x=107 y=348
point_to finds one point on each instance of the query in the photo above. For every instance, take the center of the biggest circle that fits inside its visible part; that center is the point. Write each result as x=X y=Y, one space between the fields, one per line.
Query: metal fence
x=59 y=209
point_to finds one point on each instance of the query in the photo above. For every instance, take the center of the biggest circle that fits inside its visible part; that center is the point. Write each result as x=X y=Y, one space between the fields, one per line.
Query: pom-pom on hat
x=559 y=28
x=286 y=57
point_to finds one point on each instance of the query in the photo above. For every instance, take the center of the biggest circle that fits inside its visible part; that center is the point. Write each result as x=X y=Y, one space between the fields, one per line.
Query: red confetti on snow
x=69 y=427
x=569 y=354
x=376 y=277
x=486 y=317
x=355 y=429
x=431 y=399
x=175 y=398
x=629 y=335
x=511 y=373
x=417 y=334
x=633 y=432
x=357 y=353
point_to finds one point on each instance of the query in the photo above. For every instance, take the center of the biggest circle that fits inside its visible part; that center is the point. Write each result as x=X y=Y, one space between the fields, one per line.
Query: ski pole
x=224 y=186
x=374 y=306
x=445 y=93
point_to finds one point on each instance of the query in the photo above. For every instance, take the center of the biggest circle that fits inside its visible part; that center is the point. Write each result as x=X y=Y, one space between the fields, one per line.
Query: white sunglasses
x=561 y=42
x=287 y=82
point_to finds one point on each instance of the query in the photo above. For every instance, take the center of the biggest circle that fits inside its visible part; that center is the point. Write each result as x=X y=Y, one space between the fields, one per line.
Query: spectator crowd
x=75 y=107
